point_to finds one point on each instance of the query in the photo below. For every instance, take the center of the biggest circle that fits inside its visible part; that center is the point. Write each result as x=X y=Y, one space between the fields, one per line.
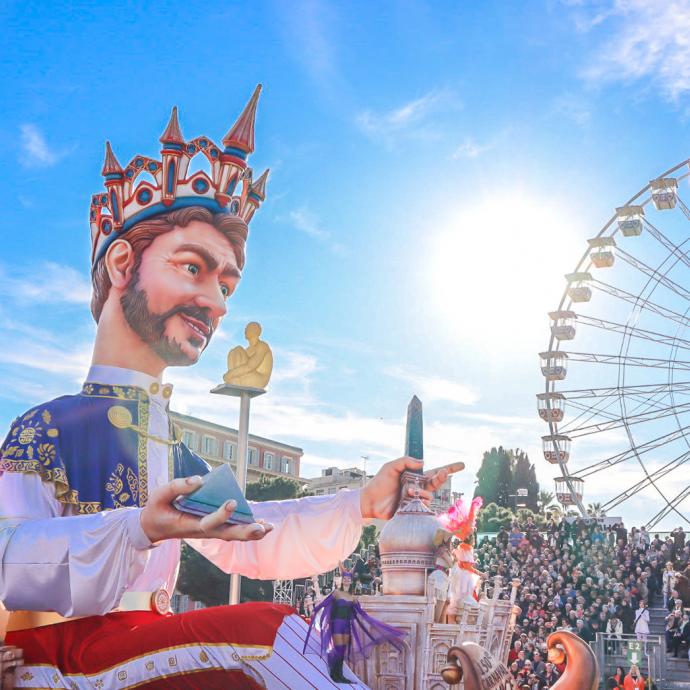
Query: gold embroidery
x=116 y=485
x=122 y=675
x=172 y=661
x=46 y=453
x=26 y=435
x=30 y=452
x=132 y=483
x=98 y=684
x=142 y=466
x=149 y=665
x=45 y=416
x=203 y=657
x=27 y=676
x=53 y=433
x=120 y=417
x=29 y=414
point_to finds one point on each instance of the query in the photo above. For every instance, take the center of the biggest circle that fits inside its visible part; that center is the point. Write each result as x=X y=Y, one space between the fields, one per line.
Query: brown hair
x=143 y=234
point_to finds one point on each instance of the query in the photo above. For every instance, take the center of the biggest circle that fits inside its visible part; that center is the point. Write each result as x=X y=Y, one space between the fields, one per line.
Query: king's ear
x=119 y=262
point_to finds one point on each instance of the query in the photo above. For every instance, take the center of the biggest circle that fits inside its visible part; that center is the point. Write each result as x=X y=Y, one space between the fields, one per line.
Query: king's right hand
x=161 y=520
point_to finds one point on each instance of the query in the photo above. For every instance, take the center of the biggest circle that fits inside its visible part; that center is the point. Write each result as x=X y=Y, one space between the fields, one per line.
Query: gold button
x=167 y=391
x=154 y=388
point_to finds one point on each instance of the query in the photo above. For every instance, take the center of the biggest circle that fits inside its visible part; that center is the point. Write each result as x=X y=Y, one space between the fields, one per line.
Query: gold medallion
x=120 y=417
x=27 y=435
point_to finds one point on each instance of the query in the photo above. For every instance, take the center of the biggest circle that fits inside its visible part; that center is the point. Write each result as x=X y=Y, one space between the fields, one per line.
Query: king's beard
x=150 y=327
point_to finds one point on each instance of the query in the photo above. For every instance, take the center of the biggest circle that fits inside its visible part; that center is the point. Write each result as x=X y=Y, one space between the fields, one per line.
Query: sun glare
x=497 y=267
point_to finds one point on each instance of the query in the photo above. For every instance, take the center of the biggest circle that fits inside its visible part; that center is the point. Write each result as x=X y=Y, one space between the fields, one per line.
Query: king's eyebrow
x=209 y=259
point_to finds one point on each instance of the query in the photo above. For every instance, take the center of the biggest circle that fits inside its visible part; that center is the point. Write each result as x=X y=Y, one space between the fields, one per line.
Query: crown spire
x=259 y=186
x=241 y=134
x=110 y=164
x=172 y=133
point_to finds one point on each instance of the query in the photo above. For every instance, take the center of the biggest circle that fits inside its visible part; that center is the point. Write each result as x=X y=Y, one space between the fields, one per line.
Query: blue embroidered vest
x=95 y=463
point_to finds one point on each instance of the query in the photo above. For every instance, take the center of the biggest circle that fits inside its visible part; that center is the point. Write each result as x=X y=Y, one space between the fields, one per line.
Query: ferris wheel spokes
x=648 y=480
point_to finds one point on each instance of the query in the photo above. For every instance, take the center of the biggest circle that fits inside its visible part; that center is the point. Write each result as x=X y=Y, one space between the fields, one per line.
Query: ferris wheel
x=617 y=367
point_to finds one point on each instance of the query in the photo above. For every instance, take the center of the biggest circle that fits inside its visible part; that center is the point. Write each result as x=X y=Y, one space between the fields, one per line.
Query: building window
x=228 y=450
x=188 y=439
x=210 y=446
x=268 y=460
x=287 y=464
x=319 y=492
x=332 y=490
x=251 y=456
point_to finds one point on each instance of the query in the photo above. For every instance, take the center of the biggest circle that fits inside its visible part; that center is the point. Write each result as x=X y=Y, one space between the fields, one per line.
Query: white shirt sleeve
x=310 y=535
x=75 y=565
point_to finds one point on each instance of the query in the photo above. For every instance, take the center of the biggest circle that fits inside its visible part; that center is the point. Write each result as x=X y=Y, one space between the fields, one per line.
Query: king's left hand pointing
x=380 y=497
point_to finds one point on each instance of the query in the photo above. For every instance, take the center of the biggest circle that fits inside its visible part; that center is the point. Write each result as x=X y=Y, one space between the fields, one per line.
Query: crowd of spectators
x=580 y=576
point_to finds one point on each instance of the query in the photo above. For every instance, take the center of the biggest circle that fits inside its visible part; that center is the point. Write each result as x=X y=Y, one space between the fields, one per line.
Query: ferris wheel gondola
x=616 y=398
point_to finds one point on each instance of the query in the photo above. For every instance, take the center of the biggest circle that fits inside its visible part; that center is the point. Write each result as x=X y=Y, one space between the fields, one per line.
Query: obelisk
x=414 y=432
x=406 y=541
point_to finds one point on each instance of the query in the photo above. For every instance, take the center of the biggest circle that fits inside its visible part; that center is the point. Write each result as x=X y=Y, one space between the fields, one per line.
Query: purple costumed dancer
x=343 y=621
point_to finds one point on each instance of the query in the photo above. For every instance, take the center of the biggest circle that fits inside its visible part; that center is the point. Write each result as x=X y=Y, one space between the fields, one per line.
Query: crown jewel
x=124 y=203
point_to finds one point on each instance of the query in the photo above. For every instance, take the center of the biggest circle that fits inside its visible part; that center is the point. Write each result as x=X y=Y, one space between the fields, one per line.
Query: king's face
x=187 y=276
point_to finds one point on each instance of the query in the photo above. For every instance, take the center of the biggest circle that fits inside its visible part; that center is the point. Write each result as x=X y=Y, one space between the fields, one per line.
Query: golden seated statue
x=250 y=367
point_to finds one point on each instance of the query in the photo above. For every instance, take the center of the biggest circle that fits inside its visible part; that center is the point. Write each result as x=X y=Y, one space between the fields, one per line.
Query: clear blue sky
x=436 y=169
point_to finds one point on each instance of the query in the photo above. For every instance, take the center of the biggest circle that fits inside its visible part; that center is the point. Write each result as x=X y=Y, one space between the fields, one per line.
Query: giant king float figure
x=89 y=540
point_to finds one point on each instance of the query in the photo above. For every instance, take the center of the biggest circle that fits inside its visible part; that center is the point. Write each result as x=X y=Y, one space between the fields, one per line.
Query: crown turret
x=241 y=134
x=256 y=193
x=125 y=202
x=110 y=165
x=172 y=133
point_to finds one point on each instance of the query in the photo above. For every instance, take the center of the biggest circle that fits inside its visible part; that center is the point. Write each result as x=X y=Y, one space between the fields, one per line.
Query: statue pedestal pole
x=245 y=395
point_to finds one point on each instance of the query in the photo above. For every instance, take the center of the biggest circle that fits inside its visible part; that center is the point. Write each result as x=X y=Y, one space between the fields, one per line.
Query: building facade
x=217 y=444
x=333 y=479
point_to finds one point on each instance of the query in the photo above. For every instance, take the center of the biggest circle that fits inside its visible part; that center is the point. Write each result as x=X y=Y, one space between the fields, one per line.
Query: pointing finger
x=451 y=468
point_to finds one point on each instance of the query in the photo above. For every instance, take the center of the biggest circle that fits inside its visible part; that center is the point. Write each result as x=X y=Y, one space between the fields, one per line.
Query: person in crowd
x=642 y=621
x=674 y=622
x=669 y=581
x=634 y=680
x=618 y=678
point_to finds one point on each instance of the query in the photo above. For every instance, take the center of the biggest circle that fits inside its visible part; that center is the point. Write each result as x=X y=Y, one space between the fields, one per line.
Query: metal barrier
x=623 y=650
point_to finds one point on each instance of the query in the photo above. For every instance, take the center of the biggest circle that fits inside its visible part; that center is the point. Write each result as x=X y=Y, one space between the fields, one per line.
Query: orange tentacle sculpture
x=581 y=671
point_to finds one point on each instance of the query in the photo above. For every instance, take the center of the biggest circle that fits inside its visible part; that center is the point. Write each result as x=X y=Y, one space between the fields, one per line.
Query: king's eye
x=225 y=290
x=192 y=268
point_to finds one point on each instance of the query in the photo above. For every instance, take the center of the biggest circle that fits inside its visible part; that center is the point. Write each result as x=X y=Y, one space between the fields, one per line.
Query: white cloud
x=36 y=152
x=414 y=119
x=434 y=388
x=470 y=149
x=49 y=359
x=46 y=282
x=573 y=108
x=306 y=221
x=644 y=42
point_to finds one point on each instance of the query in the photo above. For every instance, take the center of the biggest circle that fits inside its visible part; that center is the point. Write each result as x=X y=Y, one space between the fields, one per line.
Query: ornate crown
x=124 y=203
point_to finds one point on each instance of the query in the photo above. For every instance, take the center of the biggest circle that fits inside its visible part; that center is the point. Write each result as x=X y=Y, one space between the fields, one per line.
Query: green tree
x=596 y=510
x=203 y=582
x=545 y=500
x=275 y=489
x=369 y=536
x=494 y=476
x=523 y=477
x=492 y=517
